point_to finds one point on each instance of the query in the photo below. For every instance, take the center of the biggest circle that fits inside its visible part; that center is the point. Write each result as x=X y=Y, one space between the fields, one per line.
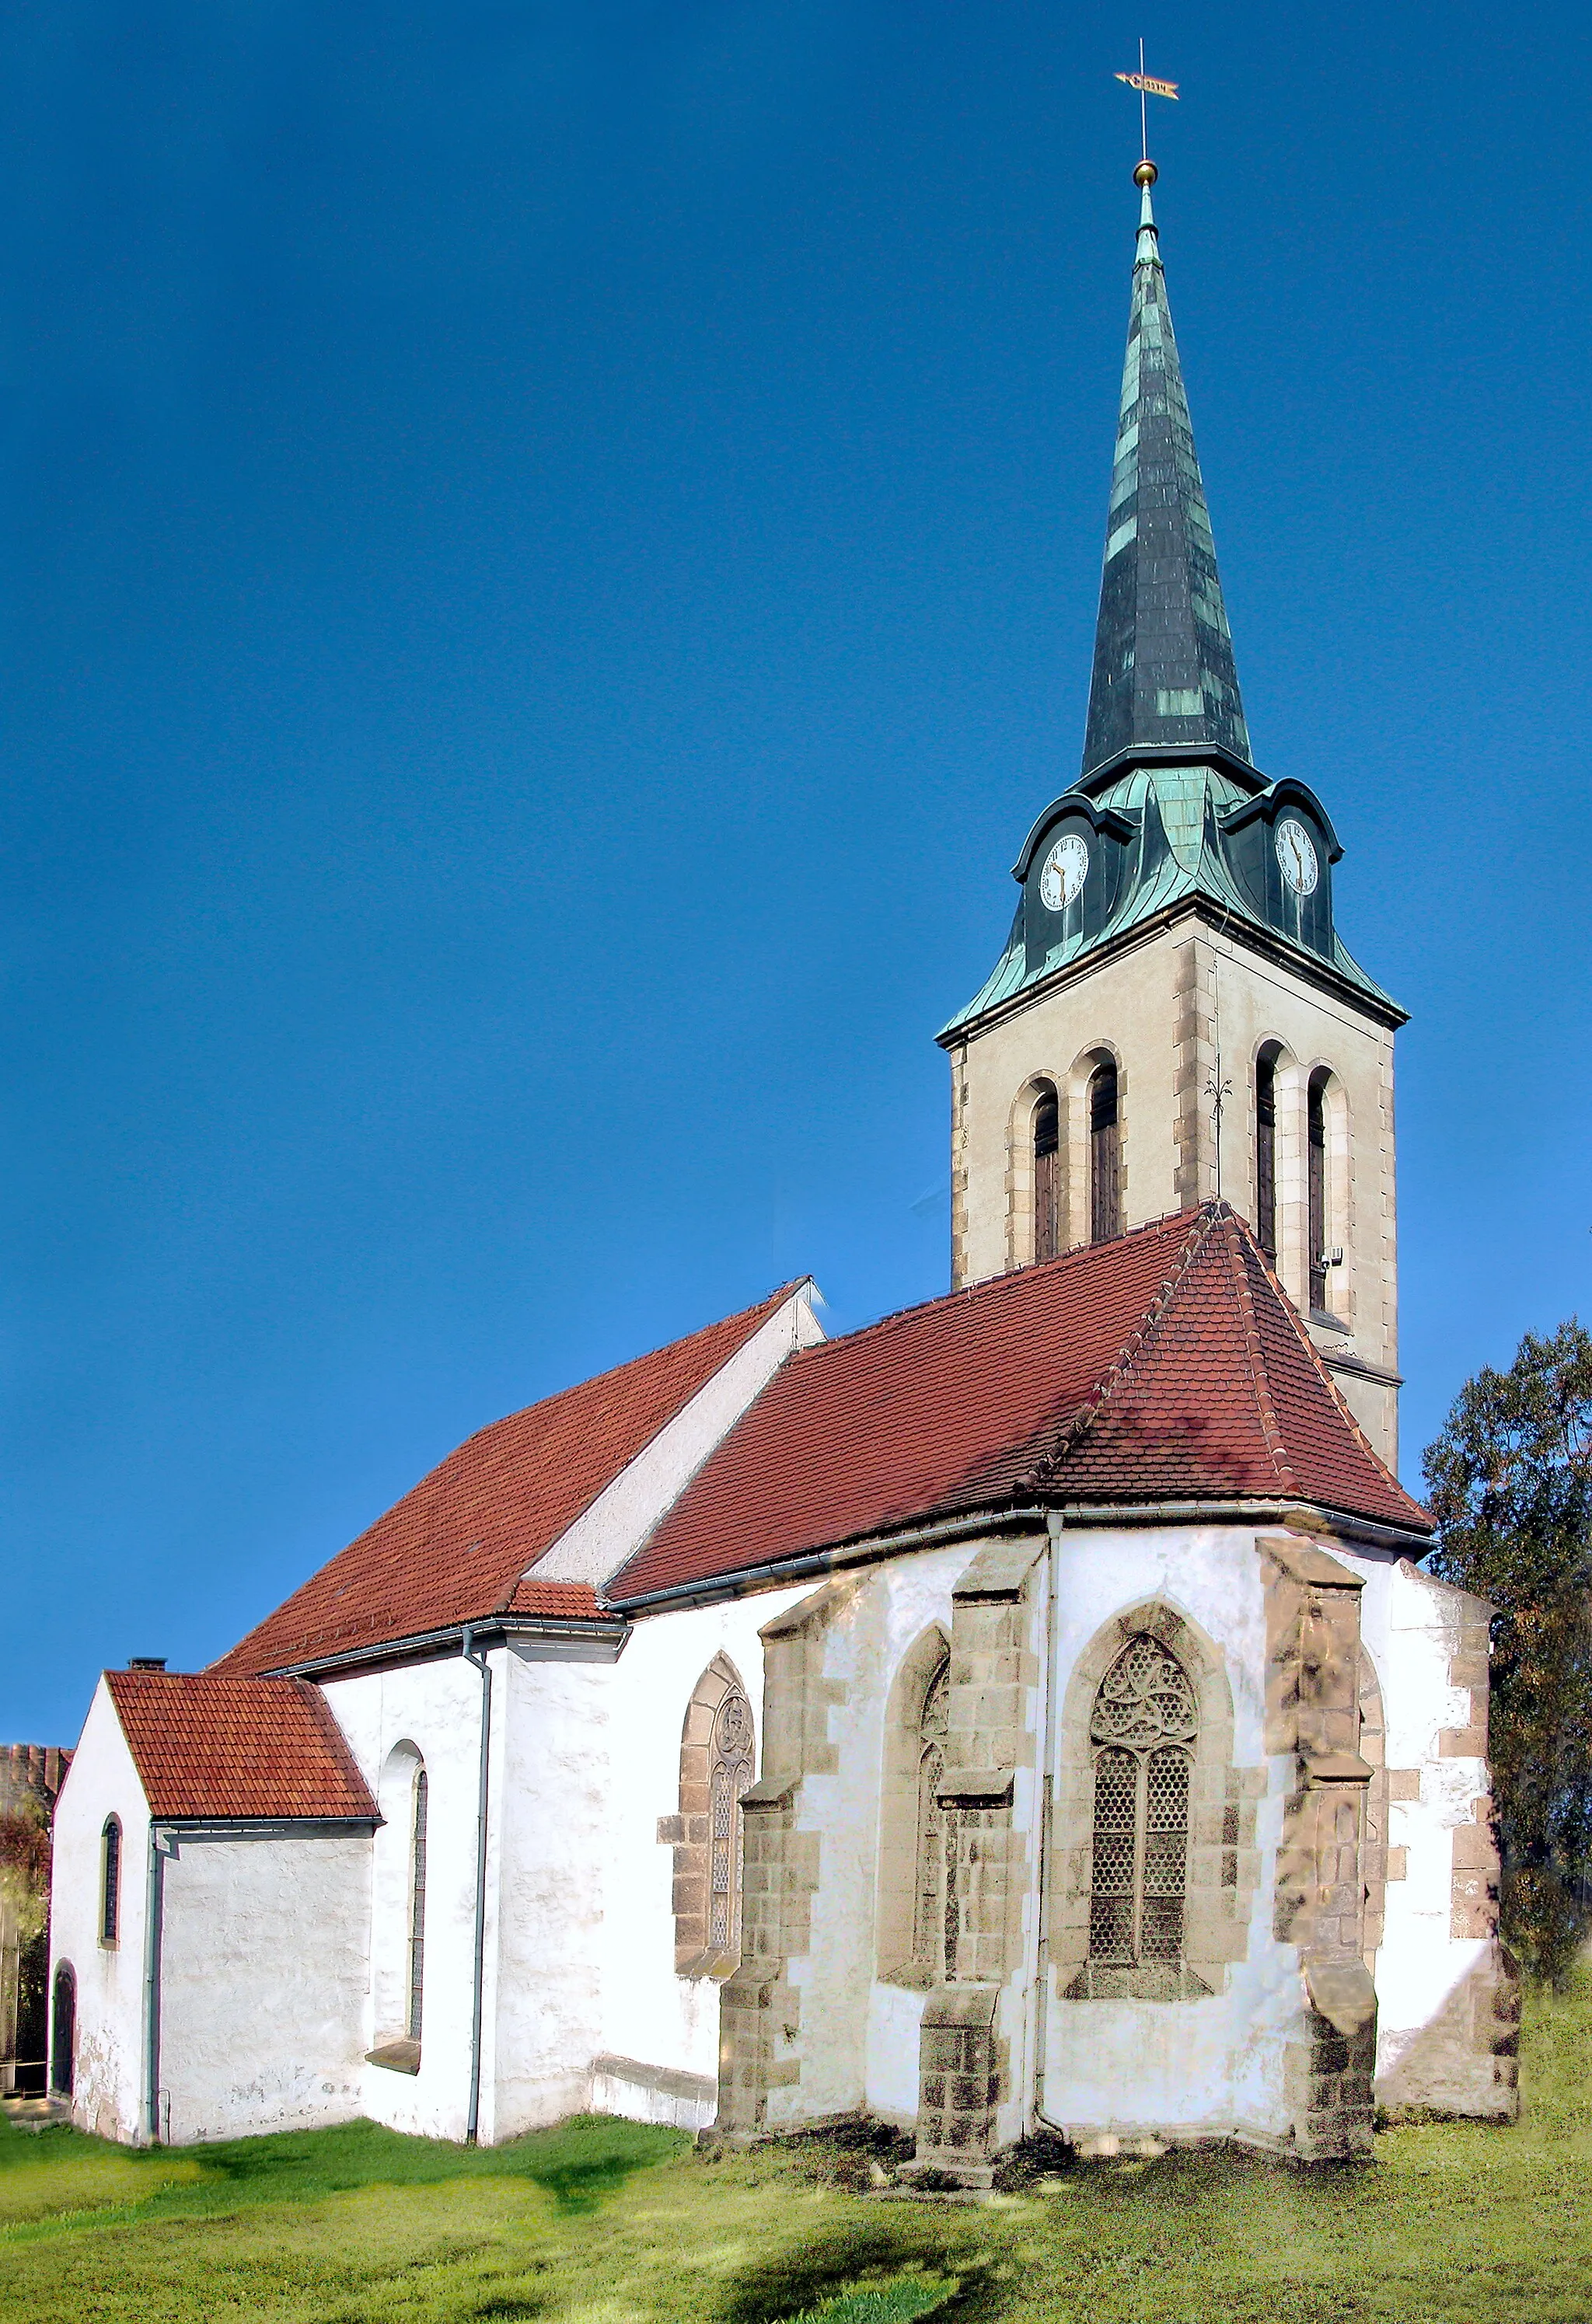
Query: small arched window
x=1047 y=1173
x=417 y=1906
x=1266 y=1151
x=1104 y=1154
x=731 y=1775
x=929 y=1897
x=1143 y=1734
x=110 y=1881
x=1316 y=1179
x=63 y=2030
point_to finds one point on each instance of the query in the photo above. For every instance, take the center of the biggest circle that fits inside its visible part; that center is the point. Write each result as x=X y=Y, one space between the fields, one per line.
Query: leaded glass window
x=730 y=1776
x=1144 y=1730
x=928 y=1899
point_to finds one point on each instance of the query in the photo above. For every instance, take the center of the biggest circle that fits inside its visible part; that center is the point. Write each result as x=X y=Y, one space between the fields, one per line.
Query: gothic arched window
x=1266 y=1151
x=1104 y=1154
x=417 y=1906
x=928 y=1895
x=1316 y=1178
x=731 y=1775
x=1142 y=1733
x=110 y=1881
x=1047 y=1173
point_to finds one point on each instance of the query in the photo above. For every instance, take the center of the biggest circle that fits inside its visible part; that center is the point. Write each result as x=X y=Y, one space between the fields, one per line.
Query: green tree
x=1510 y=1483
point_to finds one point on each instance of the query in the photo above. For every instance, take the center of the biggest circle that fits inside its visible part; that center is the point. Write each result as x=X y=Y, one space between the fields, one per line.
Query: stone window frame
x=1223 y=1860
x=896 y=1954
x=1021 y=1221
x=690 y=1831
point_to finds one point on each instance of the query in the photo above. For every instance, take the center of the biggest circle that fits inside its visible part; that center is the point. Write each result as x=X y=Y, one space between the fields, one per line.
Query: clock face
x=1066 y=868
x=1296 y=854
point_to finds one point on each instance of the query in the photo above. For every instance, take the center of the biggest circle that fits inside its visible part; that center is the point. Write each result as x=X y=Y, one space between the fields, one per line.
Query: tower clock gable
x=1175 y=1016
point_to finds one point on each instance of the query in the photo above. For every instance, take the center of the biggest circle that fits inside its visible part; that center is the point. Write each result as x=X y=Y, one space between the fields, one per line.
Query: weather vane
x=1147 y=86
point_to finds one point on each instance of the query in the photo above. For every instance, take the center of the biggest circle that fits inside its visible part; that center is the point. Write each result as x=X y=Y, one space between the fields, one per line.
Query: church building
x=1025 y=1714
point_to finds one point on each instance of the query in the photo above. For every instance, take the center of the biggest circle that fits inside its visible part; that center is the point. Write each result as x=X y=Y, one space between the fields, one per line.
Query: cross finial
x=1148 y=85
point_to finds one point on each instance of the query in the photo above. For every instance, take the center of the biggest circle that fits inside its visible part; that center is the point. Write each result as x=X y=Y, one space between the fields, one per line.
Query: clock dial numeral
x=1296 y=857
x=1066 y=868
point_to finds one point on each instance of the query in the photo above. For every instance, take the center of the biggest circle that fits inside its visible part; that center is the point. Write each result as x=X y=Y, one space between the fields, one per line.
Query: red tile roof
x=1166 y=1365
x=454 y=1549
x=206 y=1747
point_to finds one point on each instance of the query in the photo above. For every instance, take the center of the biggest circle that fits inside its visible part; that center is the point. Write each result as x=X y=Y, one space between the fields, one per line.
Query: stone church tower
x=1174 y=1016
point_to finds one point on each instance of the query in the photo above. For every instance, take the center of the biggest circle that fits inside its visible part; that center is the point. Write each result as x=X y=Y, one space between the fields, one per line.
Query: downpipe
x=482 y=1662
x=154 y=1910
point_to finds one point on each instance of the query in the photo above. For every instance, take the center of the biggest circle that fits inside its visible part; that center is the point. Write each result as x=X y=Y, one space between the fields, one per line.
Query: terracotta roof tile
x=1166 y=1365
x=455 y=1548
x=206 y=1747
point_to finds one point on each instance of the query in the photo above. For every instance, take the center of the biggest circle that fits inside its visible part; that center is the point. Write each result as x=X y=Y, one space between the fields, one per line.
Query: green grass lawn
x=600 y=2222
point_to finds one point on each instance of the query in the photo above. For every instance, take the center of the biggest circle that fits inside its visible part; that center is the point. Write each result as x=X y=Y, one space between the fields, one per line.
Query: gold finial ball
x=1146 y=173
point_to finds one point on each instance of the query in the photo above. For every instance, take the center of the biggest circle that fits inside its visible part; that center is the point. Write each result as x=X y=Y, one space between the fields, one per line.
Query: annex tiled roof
x=456 y=1548
x=205 y=1746
x=1165 y=1366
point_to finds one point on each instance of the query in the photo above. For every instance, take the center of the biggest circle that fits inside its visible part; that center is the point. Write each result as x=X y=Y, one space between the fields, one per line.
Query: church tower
x=1174 y=1016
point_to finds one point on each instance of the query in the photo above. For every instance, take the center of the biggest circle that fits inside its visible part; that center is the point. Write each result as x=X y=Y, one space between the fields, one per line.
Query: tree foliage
x=24 y=1868
x=1510 y=1483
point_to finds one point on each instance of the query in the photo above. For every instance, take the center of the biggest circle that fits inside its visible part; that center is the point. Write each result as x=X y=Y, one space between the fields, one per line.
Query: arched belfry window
x=1316 y=1181
x=732 y=1774
x=417 y=1906
x=110 y=1882
x=1105 y=1154
x=1047 y=1173
x=1142 y=1734
x=929 y=1897
x=1266 y=1151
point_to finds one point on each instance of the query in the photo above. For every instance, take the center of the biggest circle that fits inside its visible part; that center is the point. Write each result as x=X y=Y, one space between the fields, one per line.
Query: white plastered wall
x=436 y=1707
x=1208 y=2067
x=586 y=1967
x=102 y=1781
x=265 y=1961
x=1413 y=1624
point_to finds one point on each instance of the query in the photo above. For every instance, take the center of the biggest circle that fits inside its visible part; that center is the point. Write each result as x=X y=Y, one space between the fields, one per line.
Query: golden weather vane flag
x=1147 y=86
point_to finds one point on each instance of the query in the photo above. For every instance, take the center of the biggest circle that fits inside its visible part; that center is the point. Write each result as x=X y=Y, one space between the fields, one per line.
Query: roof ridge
x=1344 y=1409
x=987 y=1285
x=1260 y=1379
x=1117 y=1372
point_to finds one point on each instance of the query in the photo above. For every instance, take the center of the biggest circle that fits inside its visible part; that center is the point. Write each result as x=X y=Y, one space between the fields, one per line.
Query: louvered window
x=1104 y=1156
x=1142 y=1732
x=1315 y=1174
x=730 y=1776
x=1047 y=1189
x=1265 y=1152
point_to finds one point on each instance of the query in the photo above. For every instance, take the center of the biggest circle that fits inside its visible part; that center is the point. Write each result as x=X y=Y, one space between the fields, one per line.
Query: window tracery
x=731 y=1775
x=929 y=1935
x=1143 y=1731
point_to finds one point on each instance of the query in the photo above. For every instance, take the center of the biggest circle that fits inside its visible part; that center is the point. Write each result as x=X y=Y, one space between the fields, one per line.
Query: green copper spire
x=1163 y=671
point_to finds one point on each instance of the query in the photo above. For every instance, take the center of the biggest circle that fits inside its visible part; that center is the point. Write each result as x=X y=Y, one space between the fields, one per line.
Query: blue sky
x=550 y=557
